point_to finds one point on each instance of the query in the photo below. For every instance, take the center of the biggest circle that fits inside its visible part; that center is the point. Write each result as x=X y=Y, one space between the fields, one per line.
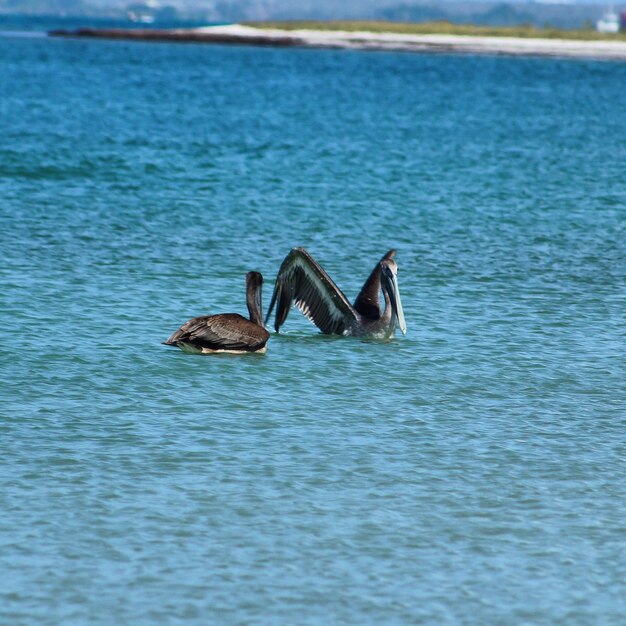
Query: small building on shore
x=609 y=22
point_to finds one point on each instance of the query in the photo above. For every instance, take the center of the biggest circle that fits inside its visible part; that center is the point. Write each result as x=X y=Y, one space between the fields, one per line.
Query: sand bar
x=461 y=44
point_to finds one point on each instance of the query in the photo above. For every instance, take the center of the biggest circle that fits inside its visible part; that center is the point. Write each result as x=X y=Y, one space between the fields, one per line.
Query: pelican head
x=389 y=283
x=254 y=282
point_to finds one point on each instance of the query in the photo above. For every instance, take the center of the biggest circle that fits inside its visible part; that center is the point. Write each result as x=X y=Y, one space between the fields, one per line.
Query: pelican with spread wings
x=301 y=279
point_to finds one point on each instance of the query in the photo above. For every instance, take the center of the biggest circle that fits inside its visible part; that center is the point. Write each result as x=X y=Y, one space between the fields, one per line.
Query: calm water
x=472 y=472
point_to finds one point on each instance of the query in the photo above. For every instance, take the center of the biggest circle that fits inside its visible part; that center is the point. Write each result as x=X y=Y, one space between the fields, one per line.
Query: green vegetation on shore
x=442 y=28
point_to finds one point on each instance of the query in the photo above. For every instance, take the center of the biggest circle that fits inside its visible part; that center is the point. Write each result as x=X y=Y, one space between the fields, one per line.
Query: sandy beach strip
x=461 y=44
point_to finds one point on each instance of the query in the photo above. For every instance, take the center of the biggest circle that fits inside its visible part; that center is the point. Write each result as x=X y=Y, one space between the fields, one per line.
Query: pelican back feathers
x=225 y=331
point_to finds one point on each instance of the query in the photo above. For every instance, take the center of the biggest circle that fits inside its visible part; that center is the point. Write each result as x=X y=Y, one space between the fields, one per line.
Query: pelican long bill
x=397 y=303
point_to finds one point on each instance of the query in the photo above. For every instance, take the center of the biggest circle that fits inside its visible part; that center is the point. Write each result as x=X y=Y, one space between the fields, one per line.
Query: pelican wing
x=227 y=331
x=302 y=280
x=367 y=303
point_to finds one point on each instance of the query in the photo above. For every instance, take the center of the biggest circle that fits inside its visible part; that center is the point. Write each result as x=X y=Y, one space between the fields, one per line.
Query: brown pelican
x=302 y=279
x=226 y=332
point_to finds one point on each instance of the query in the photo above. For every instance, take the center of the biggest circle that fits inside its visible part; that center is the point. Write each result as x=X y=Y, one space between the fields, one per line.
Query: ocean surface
x=471 y=472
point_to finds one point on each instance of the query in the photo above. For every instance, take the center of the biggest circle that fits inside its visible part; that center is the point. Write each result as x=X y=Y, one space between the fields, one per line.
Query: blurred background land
x=563 y=15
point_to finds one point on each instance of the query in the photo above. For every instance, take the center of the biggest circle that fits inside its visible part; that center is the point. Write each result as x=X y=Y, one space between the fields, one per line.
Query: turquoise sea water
x=472 y=472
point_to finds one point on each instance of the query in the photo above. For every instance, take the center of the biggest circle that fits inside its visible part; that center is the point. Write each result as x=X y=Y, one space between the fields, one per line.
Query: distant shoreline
x=365 y=40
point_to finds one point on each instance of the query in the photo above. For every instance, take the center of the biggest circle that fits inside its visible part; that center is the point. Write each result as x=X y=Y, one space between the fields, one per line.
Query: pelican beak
x=259 y=303
x=396 y=303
